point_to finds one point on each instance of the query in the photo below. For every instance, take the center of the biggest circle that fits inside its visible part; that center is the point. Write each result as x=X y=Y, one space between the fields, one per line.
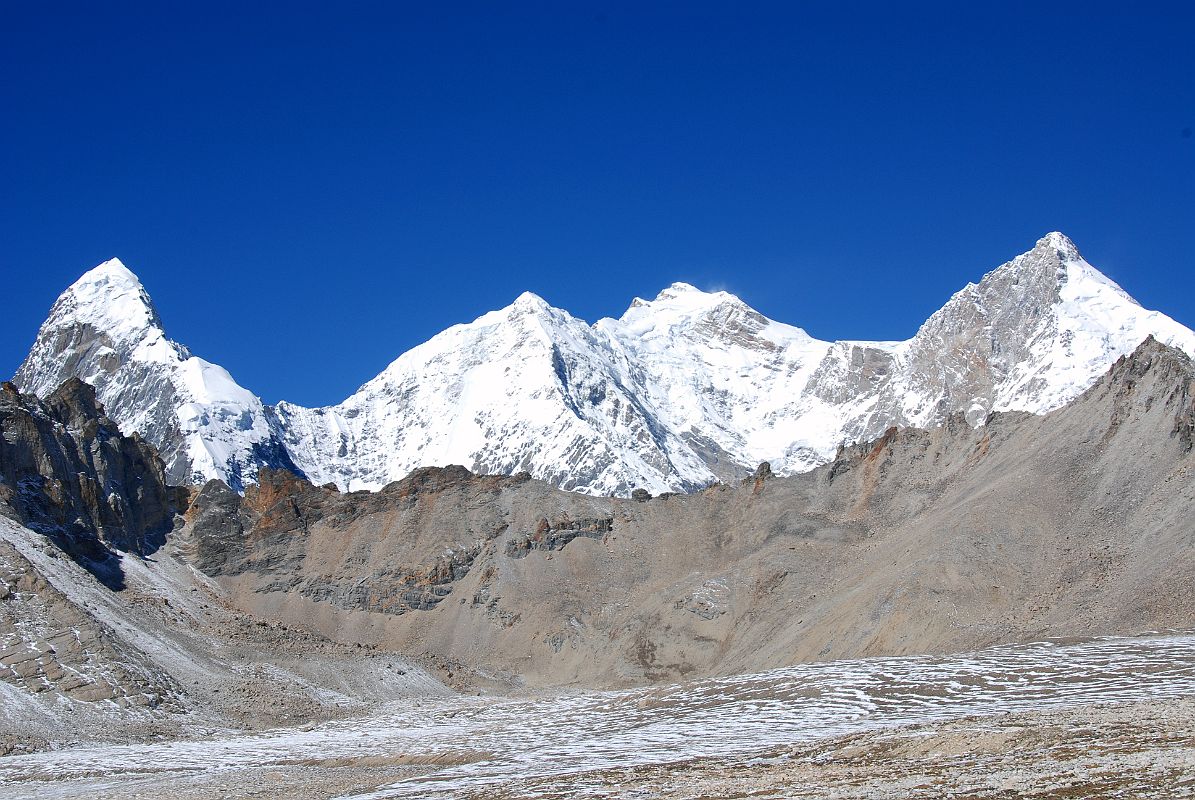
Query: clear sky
x=309 y=190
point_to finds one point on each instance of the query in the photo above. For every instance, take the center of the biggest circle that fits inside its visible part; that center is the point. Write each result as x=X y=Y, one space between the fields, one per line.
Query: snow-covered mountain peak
x=687 y=295
x=110 y=298
x=105 y=330
x=530 y=301
x=680 y=295
x=1060 y=243
x=685 y=388
x=527 y=308
x=680 y=289
x=1031 y=335
x=684 y=311
x=1054 y=270
x=677 y=303
x=112 y=270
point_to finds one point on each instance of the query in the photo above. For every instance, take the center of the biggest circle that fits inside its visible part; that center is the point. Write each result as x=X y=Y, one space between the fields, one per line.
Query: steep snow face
x=722 y=376
x=1091 y=322
x=682 y=390
x=1031 y=336
x=105 y=330
x=527 y=388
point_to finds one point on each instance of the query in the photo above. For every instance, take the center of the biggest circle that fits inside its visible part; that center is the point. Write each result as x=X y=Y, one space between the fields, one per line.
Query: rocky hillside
x=681 y=391
x=105 y=633
x=1072 y=523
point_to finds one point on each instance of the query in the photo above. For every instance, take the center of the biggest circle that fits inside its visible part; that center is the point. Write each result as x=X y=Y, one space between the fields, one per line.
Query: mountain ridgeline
x=1073 y=523
x=942 y=538
x=683 y=391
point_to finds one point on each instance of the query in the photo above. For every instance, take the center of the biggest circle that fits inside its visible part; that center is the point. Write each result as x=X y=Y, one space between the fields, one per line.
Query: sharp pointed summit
x=529 y=303
x=110 y=297
x=112 y=270
x=105 y=330
x=1060 y=243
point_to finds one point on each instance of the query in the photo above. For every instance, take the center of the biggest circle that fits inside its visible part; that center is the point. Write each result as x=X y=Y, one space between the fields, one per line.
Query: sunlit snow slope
x=682 y=390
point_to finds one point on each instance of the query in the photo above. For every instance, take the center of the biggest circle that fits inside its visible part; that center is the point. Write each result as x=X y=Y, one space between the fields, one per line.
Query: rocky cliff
x=68 y=472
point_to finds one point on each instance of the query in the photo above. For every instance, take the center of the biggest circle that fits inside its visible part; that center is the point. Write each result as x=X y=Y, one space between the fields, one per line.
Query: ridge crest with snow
x=683 y=390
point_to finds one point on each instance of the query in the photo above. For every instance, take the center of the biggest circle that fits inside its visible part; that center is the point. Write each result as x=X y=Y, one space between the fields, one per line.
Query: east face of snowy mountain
x=527 y=388
x=681 y=391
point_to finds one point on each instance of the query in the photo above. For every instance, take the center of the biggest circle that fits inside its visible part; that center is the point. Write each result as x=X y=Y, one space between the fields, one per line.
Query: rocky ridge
x=67 y=472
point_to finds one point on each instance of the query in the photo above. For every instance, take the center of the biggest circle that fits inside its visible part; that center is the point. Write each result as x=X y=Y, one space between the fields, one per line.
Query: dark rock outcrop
x=267 y=533
x=67 y=471
x=558 y=533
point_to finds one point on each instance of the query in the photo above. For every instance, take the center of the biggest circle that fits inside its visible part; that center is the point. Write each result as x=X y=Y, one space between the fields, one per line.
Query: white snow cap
x=112 y=269
x=529 y=301
x=111 y=298
x=1059 y=241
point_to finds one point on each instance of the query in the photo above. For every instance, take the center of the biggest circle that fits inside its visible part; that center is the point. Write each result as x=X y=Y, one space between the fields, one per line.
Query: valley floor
x=1103 y=718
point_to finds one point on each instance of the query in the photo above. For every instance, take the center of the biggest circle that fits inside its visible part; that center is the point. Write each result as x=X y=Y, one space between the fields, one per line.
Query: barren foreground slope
x=1109 y=718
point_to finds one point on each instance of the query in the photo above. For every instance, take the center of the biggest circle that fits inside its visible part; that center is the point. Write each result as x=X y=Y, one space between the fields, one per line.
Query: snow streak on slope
x=105 y=330
x=683 y=390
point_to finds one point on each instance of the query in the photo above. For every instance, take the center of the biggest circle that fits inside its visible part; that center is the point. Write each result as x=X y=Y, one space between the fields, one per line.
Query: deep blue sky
x=308 y=192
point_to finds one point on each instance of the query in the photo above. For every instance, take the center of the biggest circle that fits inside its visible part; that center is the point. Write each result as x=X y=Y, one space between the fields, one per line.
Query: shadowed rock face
x=1073 y=523
x=66 y=471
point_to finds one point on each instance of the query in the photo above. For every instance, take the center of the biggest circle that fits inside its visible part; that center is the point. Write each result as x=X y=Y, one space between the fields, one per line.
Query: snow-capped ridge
x=678 y=288
x=527 y=304
x=109 y=297
x=680 y=293
x=680 y=300
x=682 y=390
x=530 y=301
